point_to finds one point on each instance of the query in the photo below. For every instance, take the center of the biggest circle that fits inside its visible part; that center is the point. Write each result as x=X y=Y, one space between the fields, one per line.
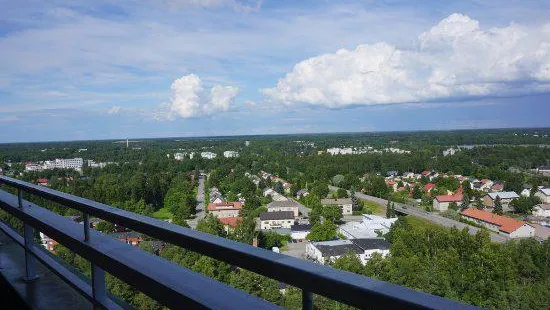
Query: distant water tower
x=127 y=143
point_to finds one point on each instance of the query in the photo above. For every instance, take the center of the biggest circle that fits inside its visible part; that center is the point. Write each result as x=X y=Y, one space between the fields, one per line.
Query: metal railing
x=176 y=286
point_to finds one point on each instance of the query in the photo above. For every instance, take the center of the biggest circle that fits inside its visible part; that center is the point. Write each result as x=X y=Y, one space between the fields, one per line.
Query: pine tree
x=498 y=206
x=388 y=209
x=465 y=202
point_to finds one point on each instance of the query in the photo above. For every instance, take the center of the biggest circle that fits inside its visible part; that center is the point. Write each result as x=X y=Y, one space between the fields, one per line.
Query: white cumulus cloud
x=190 y=99
x=454 y=59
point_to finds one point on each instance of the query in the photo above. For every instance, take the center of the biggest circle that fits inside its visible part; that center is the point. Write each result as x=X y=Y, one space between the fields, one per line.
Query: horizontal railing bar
x=57 y=268
x=167 y=282
x=349 y=288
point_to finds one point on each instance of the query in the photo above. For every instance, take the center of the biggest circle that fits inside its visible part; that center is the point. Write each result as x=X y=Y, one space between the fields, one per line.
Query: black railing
x=173 y=285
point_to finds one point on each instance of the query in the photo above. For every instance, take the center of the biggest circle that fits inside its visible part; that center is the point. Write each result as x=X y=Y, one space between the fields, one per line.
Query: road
x=437 y=219
x=200 y=204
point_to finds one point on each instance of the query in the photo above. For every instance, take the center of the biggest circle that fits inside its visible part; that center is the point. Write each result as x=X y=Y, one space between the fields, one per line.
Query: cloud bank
x=454 y=59
x=190 y=99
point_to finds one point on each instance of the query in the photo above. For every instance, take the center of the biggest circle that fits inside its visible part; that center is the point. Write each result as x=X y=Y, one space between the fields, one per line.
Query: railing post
x=20 y=198
x=307 y=300
x=86 y=226
x=30 y=260
x=98 y=284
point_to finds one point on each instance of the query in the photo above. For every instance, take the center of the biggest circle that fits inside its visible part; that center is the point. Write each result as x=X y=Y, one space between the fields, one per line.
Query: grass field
x=163 y=214
x=418 y=222
x=373 y=208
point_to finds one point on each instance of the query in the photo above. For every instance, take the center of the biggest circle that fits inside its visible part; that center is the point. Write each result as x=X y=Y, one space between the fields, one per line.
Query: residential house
x=544 y=170
x=344 y=203
x=302 y=193
x=505 y=199
x=544 y=194
x=408 y=175
x=371 y=226
x=229 y=223
x=280 y=219
x=526 y=192
x=428 y=187
x=299 y=232
x=425 y=173
x=506 y=226
x=130 y=237
x=542 y=210
x=225 y=209
x=392 y=184
x=391 y=173
x=287 y=205
x=497 y=187
x=47 y=242
x=42 y=181
x=442 y=202
x=326 y=251
x=486 y=185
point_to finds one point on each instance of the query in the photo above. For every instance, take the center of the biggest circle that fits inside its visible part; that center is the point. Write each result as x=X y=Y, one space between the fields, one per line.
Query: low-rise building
x=542 y=210
x=504 y=225
x=370 y=227
x=302 y=193
x=225 y=209
x=285 y=205
x=130 y=237
x=280 y=219
x=326 y=251
x=208 y=155
x=230 y=154
x=505 y=199
x=544 y=194
x=229 y=223
x=299 y=232
x=526 y=192
x=442 y=202
x=344 y=203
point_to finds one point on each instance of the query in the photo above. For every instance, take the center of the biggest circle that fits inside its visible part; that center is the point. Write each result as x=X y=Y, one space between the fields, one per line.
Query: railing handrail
x=346 y=287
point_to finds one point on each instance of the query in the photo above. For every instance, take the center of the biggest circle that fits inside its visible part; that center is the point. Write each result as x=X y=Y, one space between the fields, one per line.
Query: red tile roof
x=226 y=205
x=506 y=224
x=425 y=172
x=42 y=180
x=230 y=221
x=428 y=187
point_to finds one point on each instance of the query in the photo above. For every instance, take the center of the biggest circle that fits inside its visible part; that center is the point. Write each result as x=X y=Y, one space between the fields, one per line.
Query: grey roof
x=126 y=234
x=279 y=215
x=357 y=246
x=544 y=206
x=300 y=227
x=503 y=195
x=527 y=186
x=339 y=201
x=338 y=250
x=301 y=192
x=372 y=243
x=284 y=203
x=281 y=231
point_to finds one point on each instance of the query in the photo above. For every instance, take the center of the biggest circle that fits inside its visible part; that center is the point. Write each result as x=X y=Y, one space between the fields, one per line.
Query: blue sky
x=114 y=69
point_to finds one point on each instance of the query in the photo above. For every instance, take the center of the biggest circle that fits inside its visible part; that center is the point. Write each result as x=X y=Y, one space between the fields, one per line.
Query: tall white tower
x=127 y=143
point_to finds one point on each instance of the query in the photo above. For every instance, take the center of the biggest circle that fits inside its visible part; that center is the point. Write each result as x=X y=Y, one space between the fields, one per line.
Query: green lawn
x=418 y=222
x=163 y=214
x=373 y=208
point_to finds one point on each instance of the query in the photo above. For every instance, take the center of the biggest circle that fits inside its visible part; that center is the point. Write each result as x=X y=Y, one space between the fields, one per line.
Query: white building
x=344 y=203
x=285 y=205
x=371 y=226
x=208 y=155
x=340 y=151
x=225 y=209
x=179 y=156
x=299 y=232
x=323 y=252
x=544 y=194
x=280 y=219
x=230 y=154
x=542 y=210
